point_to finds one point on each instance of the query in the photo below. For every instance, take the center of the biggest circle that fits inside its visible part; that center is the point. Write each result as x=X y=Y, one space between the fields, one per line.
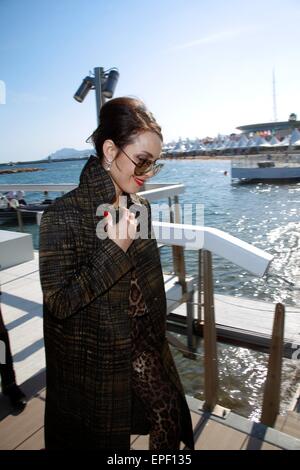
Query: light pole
x=103 y=82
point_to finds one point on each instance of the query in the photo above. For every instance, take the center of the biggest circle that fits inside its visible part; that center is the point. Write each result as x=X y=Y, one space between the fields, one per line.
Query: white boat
x=256 y=168
x=13 y=202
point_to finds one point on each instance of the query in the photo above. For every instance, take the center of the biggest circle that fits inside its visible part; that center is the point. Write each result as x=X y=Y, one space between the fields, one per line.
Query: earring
x=107 y=164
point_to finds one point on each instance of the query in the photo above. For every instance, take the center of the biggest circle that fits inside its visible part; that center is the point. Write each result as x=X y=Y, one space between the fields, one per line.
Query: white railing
x=152 y=191
x=187 y=236
x=194 y=237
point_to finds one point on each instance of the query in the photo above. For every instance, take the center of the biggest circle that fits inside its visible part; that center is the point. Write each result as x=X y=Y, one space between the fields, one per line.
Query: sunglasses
x=144 y=166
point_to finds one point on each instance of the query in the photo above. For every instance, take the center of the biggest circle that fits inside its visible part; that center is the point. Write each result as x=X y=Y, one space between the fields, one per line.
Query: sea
x=265 y=215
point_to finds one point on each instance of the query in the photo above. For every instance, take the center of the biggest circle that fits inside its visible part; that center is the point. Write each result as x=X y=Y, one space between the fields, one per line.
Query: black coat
x=85 y=283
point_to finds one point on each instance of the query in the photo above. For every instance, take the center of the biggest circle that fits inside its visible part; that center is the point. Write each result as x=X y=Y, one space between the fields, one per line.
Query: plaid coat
x=85 y=283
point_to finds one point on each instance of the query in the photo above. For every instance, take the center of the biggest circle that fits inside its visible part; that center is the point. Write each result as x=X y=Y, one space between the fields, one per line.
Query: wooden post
x=199 y=315
x=191 y=340
x=210 y=336
x=271 y=400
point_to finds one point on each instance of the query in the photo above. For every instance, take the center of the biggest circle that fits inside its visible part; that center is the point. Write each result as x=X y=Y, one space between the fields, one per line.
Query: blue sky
x=202 y=67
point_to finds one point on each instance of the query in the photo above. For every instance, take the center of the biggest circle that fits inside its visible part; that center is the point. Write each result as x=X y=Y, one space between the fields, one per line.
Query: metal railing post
x=199 y=306
x=179 y=250
x=174 y=258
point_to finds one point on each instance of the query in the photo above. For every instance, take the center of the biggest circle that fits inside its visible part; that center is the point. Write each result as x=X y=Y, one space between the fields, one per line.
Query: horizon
x=202 y=68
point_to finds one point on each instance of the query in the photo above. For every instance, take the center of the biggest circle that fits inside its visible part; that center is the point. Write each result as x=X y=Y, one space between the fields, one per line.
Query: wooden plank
x=34 y=442
x=251 y=443
x=133 y=438
x=279 y=423
x=216 y=436
x=291 y=425
x=141 y=443
x=249 y=315
x=295 y=415
x=196 y=419
x=16 y=429
x=252 y=334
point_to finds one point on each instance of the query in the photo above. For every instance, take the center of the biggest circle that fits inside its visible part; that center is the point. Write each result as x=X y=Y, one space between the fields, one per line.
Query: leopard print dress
x=149 y=379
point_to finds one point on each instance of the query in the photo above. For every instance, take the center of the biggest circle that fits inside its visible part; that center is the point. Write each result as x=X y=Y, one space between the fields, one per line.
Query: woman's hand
x=123 y=233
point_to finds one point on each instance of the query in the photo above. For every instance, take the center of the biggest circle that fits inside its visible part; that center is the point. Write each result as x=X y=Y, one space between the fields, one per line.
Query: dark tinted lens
x=144 y=163
x=157 y=167
x=145 y=167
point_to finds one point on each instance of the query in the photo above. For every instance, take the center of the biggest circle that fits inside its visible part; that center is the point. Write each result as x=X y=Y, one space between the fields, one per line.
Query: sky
x=203 y=67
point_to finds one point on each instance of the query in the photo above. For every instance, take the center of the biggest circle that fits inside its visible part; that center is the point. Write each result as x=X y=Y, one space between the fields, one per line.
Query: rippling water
x=242 y=374
x=266 y=215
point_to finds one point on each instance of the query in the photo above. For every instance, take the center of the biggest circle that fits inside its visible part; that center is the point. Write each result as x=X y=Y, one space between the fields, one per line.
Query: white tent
x=230 y=144
x=242 y=143
x=197 y=146
x=274 y=141
x=295 y=136
x=261 y=142
x=179 y=148
x=284 y=143
x=257 y=142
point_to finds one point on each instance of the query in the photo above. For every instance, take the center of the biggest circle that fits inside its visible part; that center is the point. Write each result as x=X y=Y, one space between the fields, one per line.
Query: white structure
x=15 y=248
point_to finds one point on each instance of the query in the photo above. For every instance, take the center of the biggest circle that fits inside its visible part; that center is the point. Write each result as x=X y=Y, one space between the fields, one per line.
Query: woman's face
x=146 y=145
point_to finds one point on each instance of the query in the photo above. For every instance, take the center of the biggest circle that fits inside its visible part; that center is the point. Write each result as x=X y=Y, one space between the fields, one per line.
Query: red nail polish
x=105 y=213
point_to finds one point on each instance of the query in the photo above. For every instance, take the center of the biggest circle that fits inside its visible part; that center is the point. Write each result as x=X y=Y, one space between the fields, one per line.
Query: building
x=280 y=129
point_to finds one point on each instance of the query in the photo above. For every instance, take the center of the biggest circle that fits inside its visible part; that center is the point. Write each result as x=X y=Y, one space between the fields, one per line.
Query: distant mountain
x=70 y=153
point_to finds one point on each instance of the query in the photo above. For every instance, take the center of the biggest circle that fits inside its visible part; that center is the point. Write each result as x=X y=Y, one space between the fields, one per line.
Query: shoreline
x=167 y=157
x=200 y=157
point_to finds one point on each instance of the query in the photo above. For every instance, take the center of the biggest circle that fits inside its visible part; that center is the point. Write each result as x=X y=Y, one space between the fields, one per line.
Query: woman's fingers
x=132 y=225
x=109 y=219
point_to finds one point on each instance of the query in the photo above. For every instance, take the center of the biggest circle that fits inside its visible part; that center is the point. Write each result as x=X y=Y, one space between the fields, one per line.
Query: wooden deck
x=25 y=431
x=22 y=310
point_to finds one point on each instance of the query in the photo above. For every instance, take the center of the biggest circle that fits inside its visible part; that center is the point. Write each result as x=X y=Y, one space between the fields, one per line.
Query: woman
x=110 y=372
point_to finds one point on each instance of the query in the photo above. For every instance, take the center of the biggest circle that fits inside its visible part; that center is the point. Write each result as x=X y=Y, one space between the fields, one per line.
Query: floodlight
x=85 y=87
x=110 y=83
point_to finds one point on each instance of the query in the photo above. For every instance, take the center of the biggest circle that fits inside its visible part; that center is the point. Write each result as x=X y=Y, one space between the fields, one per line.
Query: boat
x=10 y=206
x=28 y=212
x=261 y=168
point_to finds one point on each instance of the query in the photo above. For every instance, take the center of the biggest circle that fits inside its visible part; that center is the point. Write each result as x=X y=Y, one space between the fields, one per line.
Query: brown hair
x=121 y=120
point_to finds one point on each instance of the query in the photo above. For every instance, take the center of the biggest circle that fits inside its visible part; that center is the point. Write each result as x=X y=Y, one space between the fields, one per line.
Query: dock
x=220 y=429
x=25 y=431
x=244 y=322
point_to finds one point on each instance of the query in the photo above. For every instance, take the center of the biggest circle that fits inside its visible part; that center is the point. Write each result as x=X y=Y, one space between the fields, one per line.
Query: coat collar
x=96 y=183
x=96 y=186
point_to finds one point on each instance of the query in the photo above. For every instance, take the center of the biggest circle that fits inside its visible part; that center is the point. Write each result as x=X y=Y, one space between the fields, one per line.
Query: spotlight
x=110 y=84
x=103 y=82
x=85 y=87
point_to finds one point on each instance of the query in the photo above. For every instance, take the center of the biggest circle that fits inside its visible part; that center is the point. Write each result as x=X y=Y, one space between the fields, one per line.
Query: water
x=242 y=374
x=265 y=215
